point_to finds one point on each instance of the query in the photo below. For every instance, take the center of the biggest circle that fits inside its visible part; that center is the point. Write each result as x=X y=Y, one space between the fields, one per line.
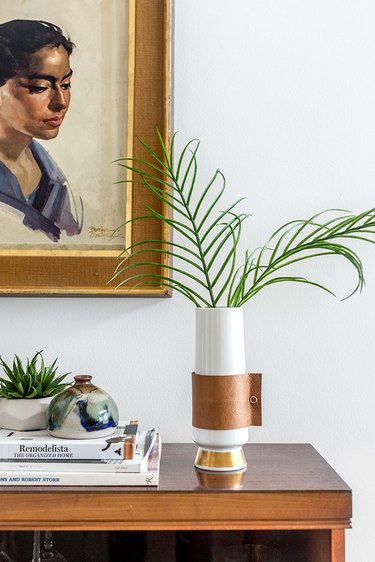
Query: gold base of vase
x=221 y=460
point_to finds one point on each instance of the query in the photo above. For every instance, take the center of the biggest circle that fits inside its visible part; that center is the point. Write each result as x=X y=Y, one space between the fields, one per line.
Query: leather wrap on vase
x=226 y=401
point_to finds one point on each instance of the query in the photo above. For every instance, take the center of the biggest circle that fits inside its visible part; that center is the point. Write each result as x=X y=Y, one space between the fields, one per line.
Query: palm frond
x=301 y=240
x=202 y=265
x=207 y=233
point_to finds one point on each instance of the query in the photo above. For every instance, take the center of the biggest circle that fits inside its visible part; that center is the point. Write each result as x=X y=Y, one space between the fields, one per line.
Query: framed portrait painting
x=80 y=83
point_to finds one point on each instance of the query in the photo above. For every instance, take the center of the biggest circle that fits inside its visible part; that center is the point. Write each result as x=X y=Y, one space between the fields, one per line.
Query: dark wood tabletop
x=284 y=486
x=271 y=467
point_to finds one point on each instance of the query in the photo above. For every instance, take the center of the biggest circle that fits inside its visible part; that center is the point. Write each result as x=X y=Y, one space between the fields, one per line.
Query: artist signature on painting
x=102 y=232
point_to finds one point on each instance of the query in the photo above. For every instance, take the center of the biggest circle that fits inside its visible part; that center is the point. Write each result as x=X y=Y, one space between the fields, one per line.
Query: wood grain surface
x=284 y=487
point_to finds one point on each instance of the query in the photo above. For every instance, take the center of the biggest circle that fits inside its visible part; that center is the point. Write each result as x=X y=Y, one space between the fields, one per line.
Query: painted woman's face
x=35 y=104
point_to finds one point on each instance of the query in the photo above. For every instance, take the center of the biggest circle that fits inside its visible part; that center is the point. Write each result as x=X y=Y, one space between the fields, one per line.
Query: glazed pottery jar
x=82 y=411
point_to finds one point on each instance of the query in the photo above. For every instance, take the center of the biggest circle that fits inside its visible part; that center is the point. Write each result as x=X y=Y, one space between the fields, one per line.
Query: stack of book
x=129 y=457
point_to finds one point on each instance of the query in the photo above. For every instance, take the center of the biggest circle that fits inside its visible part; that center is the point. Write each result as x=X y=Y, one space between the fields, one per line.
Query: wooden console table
x=289 y=497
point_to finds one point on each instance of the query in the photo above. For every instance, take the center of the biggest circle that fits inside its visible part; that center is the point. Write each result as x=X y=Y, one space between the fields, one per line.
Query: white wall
x=282 y=96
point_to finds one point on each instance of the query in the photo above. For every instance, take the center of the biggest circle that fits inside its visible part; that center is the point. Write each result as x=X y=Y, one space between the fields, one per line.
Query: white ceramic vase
x=24 y=414
x=219 y=351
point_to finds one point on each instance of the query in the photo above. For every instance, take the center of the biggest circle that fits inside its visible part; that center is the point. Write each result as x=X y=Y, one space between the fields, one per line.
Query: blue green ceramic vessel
x=82 y=411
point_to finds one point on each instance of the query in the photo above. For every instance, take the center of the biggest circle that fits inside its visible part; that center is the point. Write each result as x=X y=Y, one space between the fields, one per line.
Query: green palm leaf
x=208 y=233
x=203 y=265
x=302 y=240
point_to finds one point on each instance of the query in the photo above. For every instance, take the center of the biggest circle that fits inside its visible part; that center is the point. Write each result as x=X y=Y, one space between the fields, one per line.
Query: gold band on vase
x=221 y=460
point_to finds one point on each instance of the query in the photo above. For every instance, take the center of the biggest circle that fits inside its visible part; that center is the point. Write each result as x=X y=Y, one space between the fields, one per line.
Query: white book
x=144 y=443
x=149 y=477
x=40 y=445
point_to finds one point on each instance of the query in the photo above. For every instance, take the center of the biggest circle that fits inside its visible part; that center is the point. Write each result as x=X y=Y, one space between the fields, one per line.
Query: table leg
x=338 y=545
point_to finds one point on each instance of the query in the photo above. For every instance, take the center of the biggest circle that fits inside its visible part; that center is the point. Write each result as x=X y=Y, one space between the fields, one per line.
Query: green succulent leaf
x=33 y=380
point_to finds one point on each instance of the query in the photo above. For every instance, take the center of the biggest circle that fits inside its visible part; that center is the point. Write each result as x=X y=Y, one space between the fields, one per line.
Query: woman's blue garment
x=50 y=210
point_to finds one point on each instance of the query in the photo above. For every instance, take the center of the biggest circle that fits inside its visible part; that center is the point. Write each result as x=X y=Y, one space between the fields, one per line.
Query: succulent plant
x=35 y=380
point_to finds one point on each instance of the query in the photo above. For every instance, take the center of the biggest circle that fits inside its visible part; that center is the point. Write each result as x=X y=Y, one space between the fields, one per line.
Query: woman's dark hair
x=19 y=39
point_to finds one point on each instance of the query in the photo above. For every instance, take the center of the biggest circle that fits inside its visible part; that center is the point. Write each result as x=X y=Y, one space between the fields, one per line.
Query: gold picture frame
x=87 y=272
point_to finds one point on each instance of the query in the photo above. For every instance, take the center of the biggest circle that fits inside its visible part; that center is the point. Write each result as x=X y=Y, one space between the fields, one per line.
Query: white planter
x=24 y=414
x=220 y=351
